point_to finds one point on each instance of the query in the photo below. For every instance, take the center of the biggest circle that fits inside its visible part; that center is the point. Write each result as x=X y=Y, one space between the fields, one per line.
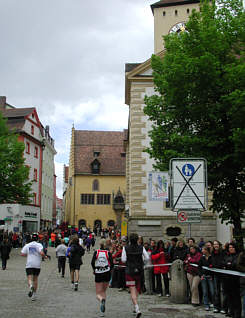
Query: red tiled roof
x=17 y=112
x=16 y=117
x=109 y=144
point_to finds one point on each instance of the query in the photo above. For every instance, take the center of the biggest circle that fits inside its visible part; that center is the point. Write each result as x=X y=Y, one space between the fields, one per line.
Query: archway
x=82 y=223
x=111 y=223
x=98 y=224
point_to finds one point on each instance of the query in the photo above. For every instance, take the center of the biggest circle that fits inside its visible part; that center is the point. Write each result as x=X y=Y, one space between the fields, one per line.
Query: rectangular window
x=32 y=130
x=99 y=198
x=35 y=175
x=27 y=147
x=103 y=199
x=36 y=152
x=35 y=199
x=87 y=198
x=107 y=199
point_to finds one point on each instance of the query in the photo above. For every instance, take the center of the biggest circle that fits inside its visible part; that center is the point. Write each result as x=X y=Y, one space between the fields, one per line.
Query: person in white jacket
x=61 y=255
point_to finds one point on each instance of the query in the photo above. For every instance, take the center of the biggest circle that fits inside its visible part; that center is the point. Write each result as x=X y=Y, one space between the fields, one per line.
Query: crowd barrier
x=216 y=270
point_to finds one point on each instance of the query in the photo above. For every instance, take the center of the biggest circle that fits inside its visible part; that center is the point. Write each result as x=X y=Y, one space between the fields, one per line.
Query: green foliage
x=14 y=185
x=199 y=110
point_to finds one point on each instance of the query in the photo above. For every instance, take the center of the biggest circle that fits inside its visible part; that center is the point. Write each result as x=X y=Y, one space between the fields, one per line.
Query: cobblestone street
x=57 y=299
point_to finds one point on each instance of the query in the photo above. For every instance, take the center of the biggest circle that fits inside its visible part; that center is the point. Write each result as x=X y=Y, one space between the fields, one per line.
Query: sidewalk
x=57 y=299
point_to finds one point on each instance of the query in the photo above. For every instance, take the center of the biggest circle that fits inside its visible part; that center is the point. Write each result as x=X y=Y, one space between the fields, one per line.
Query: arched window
x=95 y=186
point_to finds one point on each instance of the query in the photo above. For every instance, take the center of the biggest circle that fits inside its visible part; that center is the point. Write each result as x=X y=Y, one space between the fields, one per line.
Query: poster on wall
x=158 y=185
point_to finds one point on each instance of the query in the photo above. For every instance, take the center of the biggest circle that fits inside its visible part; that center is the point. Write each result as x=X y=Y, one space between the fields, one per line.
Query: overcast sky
x=67 y=58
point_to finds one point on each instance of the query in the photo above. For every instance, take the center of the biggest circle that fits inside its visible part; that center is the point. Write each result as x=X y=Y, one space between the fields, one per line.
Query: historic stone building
x=148 y=217
x=94 y=195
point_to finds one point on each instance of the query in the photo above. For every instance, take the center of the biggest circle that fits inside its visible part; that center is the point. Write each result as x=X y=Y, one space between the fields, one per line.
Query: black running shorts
x=33 y=271
x=74 y=267
x=103 y=277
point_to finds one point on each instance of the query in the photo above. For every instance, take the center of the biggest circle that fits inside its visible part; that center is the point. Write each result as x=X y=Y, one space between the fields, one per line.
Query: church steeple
x=170 y=16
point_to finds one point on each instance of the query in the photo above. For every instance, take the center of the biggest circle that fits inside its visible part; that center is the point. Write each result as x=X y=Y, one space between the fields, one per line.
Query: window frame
x=35 y=174
x=36 y=152
x=34 y=198
x=87 y=198
x=28 y=147
x=95 y=185
x=103 y=199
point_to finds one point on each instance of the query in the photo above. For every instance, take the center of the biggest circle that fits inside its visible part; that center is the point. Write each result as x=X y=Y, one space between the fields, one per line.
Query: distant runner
x=34 y=253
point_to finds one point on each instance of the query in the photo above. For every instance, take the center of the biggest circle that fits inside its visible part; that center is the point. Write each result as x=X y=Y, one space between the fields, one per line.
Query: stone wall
x=205 y=229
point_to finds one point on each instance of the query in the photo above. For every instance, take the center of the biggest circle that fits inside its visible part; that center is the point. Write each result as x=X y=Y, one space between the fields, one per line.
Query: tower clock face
x=178 y=27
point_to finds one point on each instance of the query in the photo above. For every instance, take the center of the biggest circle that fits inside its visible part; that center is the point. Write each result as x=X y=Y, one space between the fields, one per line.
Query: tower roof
x=169 y=3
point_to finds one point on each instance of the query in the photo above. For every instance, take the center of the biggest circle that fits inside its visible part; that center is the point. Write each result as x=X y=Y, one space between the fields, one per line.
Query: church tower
x=170 y=16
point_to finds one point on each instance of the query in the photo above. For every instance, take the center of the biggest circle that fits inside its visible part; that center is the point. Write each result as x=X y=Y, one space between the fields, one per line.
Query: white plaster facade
x=48 y=172
x=33 y=157
x=20 y=218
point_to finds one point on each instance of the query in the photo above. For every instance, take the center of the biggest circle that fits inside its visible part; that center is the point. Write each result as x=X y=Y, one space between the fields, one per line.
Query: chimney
x=2 y=102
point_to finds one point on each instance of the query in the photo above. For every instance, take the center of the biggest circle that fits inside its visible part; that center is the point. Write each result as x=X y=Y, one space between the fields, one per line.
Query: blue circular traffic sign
x=188 y=170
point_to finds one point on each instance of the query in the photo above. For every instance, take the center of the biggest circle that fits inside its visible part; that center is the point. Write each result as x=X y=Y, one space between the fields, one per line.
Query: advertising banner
x=158 y=186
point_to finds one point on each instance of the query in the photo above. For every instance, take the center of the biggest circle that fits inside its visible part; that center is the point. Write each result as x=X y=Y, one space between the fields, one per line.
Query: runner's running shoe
x=30 y=293
x=138 y=315
x=102 y=306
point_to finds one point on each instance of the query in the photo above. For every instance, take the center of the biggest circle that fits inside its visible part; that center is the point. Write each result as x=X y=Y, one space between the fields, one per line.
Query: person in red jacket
x=158 y=259
x=192 y=273
x=121 y=283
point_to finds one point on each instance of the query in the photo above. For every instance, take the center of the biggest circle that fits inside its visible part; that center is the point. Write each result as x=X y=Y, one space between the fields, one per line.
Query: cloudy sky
x=67 y=59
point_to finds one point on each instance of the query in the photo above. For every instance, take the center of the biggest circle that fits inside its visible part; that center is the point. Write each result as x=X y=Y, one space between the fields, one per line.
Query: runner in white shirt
x=34 y=253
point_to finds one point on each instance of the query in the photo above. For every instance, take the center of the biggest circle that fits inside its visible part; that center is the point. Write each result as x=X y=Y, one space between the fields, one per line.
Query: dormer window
x=95 y=166
x=96 y=154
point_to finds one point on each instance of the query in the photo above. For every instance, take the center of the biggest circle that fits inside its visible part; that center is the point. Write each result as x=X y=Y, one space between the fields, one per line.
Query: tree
x=199 y=108
x=14 y=184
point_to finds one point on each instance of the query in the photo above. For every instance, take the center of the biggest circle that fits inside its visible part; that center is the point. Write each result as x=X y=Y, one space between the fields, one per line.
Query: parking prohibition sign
x=182 y=217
